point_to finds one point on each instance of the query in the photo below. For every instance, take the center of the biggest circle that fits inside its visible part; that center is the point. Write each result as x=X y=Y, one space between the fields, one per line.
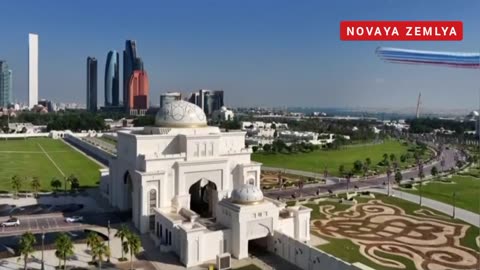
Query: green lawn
x=466 y=190
x=348 y=251
x=26 y=158
x=332 y=159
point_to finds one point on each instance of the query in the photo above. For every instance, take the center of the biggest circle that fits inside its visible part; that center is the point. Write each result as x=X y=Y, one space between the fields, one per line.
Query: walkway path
x=462 y=214
x=53 y=162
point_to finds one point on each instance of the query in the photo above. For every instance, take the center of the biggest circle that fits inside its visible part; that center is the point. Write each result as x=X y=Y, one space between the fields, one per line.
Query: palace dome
x=180 y=114
x=247 y=194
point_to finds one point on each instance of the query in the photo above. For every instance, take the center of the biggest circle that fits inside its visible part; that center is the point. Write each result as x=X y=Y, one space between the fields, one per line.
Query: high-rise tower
x=5 y=85
x=91 y=84
x=112 y=80
x=129 y=61
x=32 y=70
x=138 y=90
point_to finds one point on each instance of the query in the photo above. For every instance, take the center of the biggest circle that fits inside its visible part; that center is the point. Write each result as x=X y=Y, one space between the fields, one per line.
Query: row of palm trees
x=131 y=244
x=18 y=182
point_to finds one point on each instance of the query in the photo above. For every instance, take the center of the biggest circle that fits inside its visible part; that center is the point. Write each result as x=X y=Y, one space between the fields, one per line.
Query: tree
x=403 y=158
x=122 y=233
x=459 y=163
x=99 y=250
x=398 y=177
x=16 y=185
x=25 y=247
x=56 y=184
x=434 y=171
x=368 y=162
x=254 y=149
x=267 y=147
x=35 y=185
x=393 y=157
x=389 y=173
x=357 y=165
x=134 y=245
x=74 y=182
x=92 y=240
x=385 y=157
x=64 y=248
x=341 y=170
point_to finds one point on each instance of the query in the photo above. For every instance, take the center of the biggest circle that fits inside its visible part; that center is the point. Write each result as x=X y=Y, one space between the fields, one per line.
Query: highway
x=378 y=181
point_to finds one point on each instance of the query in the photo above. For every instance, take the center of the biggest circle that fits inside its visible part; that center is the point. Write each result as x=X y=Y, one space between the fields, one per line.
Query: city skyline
x=285 y=60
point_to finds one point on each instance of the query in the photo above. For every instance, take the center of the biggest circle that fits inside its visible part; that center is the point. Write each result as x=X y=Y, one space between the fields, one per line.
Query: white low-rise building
x=194 y=189
x=223 y=114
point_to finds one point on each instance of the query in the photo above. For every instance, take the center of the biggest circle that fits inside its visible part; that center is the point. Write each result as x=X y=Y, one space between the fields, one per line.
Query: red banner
x=402 y=30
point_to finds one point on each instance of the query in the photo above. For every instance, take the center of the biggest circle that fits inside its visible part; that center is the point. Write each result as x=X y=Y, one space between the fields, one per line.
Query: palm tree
x=389 y=172
x=385 y=157
x=92 y=241
x=56 y=184
x=16 y=185
x=134 y=246
x=74 y=183
x=368 y=162
x=64 y=248
x=35 y=185
x=99 y=250
x=123 y=233
x=341 y=170
x=26 y=248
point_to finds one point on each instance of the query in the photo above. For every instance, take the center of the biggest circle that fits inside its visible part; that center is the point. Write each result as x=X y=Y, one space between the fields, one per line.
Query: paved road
x=56 y=222
x=377 y=181
x=467 y=216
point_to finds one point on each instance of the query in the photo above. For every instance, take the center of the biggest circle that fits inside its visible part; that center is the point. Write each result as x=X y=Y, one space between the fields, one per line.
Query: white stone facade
x=178 y=177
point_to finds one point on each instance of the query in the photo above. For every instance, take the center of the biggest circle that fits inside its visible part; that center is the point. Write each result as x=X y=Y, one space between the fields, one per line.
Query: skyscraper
x=210 y=100
x=91 y=84
x=32 y=70
x=138 y=91
x=129 y=61
x=5 y=85
x=112 y=80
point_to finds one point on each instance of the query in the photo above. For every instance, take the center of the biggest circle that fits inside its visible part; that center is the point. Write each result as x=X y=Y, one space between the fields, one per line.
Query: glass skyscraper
x=129 y=59
x=91 y=84
x=5 y=84
x=112 y=80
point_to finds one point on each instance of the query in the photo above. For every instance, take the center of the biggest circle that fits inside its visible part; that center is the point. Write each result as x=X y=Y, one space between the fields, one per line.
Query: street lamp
x=453 y=196
x=108 y=231
x=389 y=172
x=43 y=247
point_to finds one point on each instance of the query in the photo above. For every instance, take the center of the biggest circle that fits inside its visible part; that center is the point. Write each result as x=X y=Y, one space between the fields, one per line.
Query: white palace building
x=195 y=190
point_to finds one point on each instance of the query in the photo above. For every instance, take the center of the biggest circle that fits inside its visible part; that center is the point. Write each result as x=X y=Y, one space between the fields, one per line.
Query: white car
x=74 y=219
x=12 y=222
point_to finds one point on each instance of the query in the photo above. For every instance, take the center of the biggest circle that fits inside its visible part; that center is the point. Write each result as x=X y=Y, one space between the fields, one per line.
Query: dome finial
x=181 y=114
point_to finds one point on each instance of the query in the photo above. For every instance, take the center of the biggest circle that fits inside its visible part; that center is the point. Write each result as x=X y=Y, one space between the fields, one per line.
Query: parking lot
x=56 y=222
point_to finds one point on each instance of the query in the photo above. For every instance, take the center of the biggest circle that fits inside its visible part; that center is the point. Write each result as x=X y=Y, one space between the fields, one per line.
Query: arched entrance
x=128 y=191
x=202 y=197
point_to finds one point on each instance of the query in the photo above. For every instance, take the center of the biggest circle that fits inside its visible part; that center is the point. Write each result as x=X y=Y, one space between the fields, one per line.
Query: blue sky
x=268 y=52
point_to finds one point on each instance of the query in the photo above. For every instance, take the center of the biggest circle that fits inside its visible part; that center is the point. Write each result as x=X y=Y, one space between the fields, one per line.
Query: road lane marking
x=53 y=162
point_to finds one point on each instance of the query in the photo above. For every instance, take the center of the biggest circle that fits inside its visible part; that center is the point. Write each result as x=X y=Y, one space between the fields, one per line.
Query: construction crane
x=417 y=113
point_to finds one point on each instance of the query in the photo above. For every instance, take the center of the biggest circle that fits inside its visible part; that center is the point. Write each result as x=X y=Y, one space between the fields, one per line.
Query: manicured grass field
x=332 y=159
x=466 y=190
x=44 y=158
x=350 y=252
